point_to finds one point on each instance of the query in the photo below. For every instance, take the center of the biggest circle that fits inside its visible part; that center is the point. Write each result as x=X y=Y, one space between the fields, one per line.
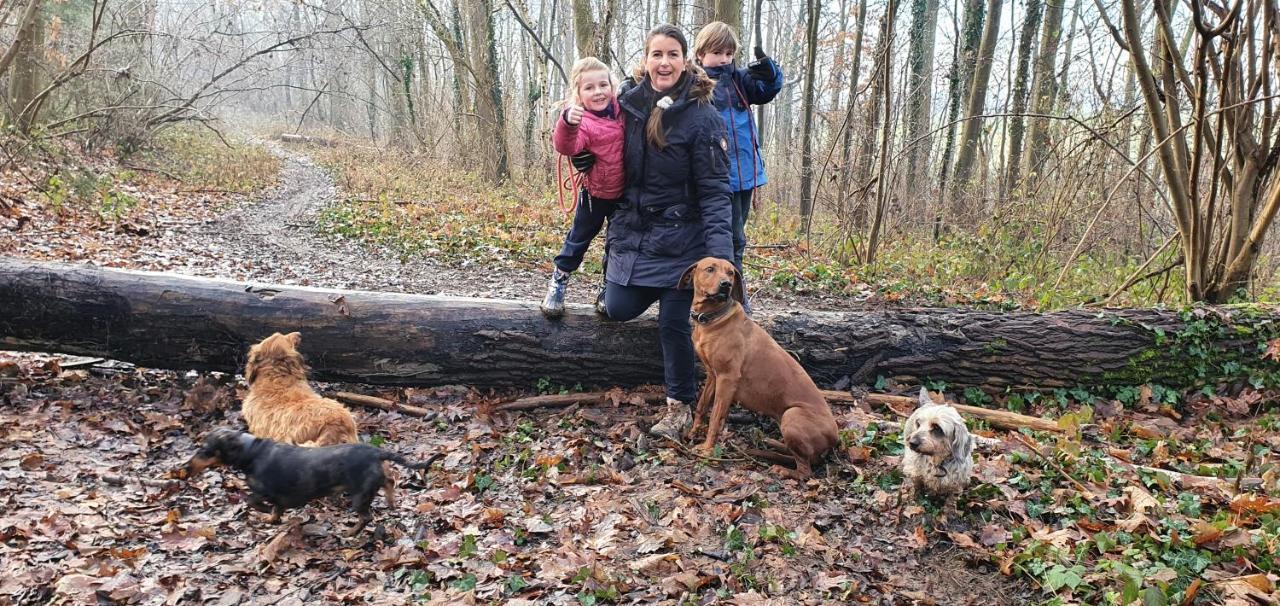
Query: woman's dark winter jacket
x=675 y=204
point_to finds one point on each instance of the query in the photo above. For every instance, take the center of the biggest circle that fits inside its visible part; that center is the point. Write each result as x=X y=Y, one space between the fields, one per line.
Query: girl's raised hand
x=573 y=115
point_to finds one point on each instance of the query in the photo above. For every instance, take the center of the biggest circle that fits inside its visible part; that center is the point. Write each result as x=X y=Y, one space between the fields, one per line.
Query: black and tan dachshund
x=282 y=476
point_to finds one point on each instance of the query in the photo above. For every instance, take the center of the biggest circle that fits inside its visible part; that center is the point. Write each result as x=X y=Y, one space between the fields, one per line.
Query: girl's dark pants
x=674 y=330
x=588 y=220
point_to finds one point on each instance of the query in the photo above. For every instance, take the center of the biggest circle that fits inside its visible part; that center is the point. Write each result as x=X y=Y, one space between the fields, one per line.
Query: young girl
x=736 y=90
x=591 y=122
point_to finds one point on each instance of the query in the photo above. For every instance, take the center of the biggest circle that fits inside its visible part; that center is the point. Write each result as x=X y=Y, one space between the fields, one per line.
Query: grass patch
x=203 y=162
x=412 y=205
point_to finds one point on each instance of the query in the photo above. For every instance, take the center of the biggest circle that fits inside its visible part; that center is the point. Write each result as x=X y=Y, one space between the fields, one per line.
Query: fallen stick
x=347 y=397
x=561 y=400
x=1002 y=419
x=119 y=480
x=1186 y=480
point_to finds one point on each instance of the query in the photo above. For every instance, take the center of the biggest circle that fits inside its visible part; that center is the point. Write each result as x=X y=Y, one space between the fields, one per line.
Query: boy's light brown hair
x=715 y=36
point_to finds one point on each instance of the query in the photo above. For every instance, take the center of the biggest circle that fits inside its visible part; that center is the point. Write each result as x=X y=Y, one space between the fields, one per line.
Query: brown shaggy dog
x=281 y=405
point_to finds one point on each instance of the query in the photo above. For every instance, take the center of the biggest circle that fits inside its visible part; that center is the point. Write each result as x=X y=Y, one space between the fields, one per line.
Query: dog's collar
x=708 y=317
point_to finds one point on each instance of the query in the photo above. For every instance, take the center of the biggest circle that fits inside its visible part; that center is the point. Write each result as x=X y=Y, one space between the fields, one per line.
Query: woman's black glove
x=760 y=69
x=583 y=161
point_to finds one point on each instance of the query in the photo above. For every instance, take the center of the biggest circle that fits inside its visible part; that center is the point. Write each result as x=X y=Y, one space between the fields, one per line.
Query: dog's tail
x=387 y=455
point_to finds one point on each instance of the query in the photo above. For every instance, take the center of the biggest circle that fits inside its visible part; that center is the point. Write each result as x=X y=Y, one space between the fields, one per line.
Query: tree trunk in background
x=924 y=24
x=28 y=47
x=884 y=60
x=1030 y=27
x=1046 y=86
x=730 y=11
x=703 y=12
x=961 y=70
x=882 y=182
x=584 y=28
x=962 y=188
x=489 y=109
x=179 y=322
x=806 y=137
x=846 y=152
x=1064 y=90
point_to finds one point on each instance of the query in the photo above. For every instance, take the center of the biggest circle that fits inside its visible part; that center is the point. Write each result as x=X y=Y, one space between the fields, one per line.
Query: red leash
x=572 y=182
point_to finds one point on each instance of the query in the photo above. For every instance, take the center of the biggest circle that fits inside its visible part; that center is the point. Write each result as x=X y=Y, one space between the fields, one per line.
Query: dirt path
x=277 y=240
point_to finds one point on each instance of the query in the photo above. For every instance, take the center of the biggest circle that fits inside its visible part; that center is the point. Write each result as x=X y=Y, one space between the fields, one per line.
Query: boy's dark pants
x=741 y=202
x=674 y=330
x=588 y=220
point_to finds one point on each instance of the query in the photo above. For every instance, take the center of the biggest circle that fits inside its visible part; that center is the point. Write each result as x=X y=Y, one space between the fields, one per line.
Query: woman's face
x=664 y=63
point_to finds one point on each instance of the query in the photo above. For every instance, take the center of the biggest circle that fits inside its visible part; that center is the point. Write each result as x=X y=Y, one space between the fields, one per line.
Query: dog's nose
x=725 y=285
x=914 y=443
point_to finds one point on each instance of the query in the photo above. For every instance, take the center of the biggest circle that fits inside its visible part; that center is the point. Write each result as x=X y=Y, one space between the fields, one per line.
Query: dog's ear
x=294 y=338
x=251 y=365
x=686 y=279
x=925 y=400
x=961 y=442
x=739 y=287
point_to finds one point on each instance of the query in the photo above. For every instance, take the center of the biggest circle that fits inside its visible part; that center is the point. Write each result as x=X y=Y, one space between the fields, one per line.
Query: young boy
x=736 y=90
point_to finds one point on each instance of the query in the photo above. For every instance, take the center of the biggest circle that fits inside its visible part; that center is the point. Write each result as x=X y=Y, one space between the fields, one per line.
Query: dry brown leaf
x=1140 y=501
x=279 y=544
x=656 y=564
x=918 y=540
x=963 y=540
x=1205 y=532
x=1254 y=503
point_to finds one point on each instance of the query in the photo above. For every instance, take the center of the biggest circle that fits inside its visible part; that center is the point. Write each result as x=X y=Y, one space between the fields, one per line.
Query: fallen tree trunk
x=170 y=321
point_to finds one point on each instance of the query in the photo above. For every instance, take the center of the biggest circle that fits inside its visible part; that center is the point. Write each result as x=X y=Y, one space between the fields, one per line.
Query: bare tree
x=961 y=71
x=806 y=138
x=924 y=23
x=1046 y=85
x=1222 y=189
x=1017 y=122
x=962 y=190
x=489 y=101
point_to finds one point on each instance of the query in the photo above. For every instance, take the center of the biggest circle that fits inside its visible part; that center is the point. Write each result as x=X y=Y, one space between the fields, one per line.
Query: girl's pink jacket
x=602 y=137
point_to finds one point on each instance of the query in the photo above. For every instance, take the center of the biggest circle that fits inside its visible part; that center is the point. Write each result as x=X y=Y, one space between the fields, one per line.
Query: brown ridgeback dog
x=746 y=365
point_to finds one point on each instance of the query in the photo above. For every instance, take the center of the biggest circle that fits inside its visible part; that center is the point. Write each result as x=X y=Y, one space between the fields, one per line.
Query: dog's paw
x=703 y=450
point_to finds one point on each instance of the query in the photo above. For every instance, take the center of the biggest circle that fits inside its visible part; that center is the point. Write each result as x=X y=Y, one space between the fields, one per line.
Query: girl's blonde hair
x=702 y=84
x=715 y=36
x=581 y=67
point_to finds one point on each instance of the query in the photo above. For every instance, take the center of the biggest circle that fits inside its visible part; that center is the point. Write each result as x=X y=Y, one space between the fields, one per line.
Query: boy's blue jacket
x=736 y=91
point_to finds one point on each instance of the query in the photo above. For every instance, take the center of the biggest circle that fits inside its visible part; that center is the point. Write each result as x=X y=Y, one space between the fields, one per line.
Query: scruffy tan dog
x=938 y=459
x=281 y=405
x=745 y=365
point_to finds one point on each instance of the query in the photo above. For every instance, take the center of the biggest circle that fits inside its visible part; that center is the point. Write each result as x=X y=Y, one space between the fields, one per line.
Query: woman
x=675 y=207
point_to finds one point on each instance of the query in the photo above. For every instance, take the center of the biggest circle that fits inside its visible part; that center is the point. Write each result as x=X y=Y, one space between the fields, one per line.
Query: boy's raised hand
x=760 y=69
x=573 y=115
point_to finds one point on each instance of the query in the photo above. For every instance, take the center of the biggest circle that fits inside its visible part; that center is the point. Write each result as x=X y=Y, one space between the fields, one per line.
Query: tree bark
x=730 y=11
x=1046 y=85
x=1030 y=26
x=489 y=99
x=924 y=24
x=962 y=188
x=24 y=81
x=169 y=321
x=961 y=70
x=806 y=138
x=846 y=146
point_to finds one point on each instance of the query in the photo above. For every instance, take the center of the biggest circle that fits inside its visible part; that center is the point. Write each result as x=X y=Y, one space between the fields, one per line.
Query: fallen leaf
x=963 y=540
x=280 y=543
x=1254 y=503
x=1140 y=501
